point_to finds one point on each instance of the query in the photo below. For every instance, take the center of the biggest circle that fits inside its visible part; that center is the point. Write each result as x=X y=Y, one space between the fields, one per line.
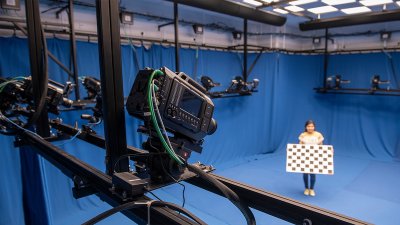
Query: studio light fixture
x=323 y=9
x=198 y=29
x=253 y=2
x=126 y=17
x=338 y=2
x=316 y=40
x=356 y=10
x=281 y=11
x=10 y=4
x=294 y=8
x=385 y=36
x=302 y=2
x=375 y=2
x=237 y=35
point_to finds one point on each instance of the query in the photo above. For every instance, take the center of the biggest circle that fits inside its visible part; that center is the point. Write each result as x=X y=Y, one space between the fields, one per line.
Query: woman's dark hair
x=308 y=122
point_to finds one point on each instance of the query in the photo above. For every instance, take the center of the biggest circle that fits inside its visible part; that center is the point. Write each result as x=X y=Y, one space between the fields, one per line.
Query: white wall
x=145 y=27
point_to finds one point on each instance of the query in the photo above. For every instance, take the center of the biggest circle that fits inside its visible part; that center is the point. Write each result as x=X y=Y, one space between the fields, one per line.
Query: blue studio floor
x=361 y=187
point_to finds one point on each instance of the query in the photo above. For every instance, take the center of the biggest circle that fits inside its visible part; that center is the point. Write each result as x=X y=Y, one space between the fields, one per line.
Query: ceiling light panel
x=252 y=2
x=356 y=10
x=294 y=8
x=338 y=2
x=302 y=2
x=375 y=2
x=281 y=11
x=323 y=9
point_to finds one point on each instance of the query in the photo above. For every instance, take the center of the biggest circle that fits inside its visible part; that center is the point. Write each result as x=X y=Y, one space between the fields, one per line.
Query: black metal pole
x=36 y=57
x=176 y=24
x=73 y=167
x=73 y=48
x=111 y=83
x=326 y=57
x=245 y=51
x=35 y=211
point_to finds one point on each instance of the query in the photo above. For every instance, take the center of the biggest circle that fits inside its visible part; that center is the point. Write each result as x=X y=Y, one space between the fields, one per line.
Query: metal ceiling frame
x=365 y=18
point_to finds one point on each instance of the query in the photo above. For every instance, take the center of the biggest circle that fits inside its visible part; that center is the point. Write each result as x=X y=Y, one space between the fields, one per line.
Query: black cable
x=155 y=196
x=228 y=193
x=128 y=155
x=132 y=205
x=162 y=165
x=165 y=170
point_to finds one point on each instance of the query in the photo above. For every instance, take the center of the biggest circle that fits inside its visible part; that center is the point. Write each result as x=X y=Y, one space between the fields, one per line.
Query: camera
x=184 y=107
x=19 y=91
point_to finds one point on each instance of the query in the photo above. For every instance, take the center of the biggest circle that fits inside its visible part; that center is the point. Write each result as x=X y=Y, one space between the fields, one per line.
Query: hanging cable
x=167 y=138
x=153 y=203
x=154 y=120
x=227 y=192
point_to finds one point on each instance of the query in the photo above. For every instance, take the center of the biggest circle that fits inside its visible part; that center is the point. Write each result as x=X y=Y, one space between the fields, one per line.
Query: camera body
x=185 y=108
x=21 y=92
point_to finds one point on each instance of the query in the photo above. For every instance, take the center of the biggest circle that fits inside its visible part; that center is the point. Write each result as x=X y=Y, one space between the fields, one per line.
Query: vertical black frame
x=245 y=74
x=326 y=57
x=108 y=28
x=36 y=57
x=176 y=28
x=35 y=205
x=73 y=48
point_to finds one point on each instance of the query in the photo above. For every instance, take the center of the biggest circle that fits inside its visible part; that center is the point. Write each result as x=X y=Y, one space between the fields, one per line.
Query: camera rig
x=238 y=87
x=115 y=186
x=155 y=167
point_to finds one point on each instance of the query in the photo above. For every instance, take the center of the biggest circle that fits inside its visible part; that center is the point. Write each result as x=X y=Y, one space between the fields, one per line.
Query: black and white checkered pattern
x=305 y=158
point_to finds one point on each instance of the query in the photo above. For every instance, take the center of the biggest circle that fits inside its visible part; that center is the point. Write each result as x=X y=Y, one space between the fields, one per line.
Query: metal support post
x=245 y=51
x=111 y=83
x=176 y=24
x=73 y=48
x=326 y=57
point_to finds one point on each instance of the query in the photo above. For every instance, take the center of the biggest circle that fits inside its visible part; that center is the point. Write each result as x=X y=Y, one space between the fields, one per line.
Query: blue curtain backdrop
x=364 y=126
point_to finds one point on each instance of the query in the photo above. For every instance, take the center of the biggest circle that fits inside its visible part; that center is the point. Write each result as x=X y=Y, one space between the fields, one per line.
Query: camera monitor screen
x=191 y=103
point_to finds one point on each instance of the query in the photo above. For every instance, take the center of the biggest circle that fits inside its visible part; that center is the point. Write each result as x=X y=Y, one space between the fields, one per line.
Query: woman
x=310 y=136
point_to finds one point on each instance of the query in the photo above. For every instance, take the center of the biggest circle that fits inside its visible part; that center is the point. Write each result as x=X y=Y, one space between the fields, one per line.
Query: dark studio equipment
x=335 y=82
x=237 y=35
x=183 y=104
x=154 y=167
x=10 y=4
x=17 y=103
x=208 y=83
x=172 y=103
x=93 y=89
x=376 y=82
x=334 y=86
x=177 y=115
x=198 y=29
x=92 y=86
x=237 y=87
x=126 y=18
